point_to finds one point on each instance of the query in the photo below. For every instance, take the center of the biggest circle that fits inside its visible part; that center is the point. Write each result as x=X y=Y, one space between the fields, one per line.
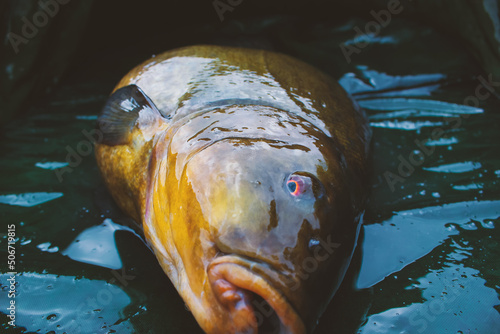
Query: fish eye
x=294 y=186
x=302 y=185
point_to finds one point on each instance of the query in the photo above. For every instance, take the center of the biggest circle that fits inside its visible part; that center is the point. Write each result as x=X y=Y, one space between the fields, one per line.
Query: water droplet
x=450 y=227
x=488 y=224
x=45 y=247
x=469 y=226
x=25 y=242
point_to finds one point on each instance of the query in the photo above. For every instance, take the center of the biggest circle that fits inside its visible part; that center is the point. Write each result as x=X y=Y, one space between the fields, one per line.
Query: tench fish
x=248 y=171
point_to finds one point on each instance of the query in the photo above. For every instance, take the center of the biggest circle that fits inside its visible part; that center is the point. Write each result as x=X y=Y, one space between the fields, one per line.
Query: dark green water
x=428 y=261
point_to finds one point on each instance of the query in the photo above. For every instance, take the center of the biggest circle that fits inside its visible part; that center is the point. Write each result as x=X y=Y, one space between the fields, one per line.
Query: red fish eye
x=298 y=184
x=294 y=187
x=303 y=186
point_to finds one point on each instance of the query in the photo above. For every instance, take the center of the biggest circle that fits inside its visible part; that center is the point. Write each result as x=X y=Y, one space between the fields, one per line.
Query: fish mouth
x=254 y=305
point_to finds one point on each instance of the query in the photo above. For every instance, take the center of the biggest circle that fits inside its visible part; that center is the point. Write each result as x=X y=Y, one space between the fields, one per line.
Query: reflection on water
x=402 y=104
x=28 y=199
x=51 y=165
x=67 y=304
x=410 y=235
x=96 y=245
x=454 y=297
x=428 y=261
x=458 y=167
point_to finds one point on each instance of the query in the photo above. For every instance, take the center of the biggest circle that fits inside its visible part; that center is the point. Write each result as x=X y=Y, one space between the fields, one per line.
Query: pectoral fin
x=121 y=113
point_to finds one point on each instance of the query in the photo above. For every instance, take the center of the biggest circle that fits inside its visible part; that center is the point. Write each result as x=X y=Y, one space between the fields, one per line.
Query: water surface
x=428 y=260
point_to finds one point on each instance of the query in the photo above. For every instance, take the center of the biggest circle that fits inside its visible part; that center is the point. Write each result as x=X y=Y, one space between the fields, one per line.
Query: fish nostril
x=273 y=216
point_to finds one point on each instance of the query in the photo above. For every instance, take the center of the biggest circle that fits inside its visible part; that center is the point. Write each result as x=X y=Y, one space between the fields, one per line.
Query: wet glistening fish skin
x=248 y=172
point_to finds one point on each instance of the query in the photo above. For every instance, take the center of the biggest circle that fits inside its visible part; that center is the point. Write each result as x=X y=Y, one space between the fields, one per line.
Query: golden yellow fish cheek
x=172 y=221
x=177 y=229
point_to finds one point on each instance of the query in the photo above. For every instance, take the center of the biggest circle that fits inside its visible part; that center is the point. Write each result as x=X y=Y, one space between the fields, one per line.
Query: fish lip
x=291 y=322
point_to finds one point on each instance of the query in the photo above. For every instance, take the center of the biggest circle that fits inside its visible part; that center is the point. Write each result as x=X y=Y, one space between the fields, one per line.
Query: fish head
x=264 y=223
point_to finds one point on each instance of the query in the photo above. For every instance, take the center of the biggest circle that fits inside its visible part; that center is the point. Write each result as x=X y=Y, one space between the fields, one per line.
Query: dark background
x=89 y=40
x=54 y=86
